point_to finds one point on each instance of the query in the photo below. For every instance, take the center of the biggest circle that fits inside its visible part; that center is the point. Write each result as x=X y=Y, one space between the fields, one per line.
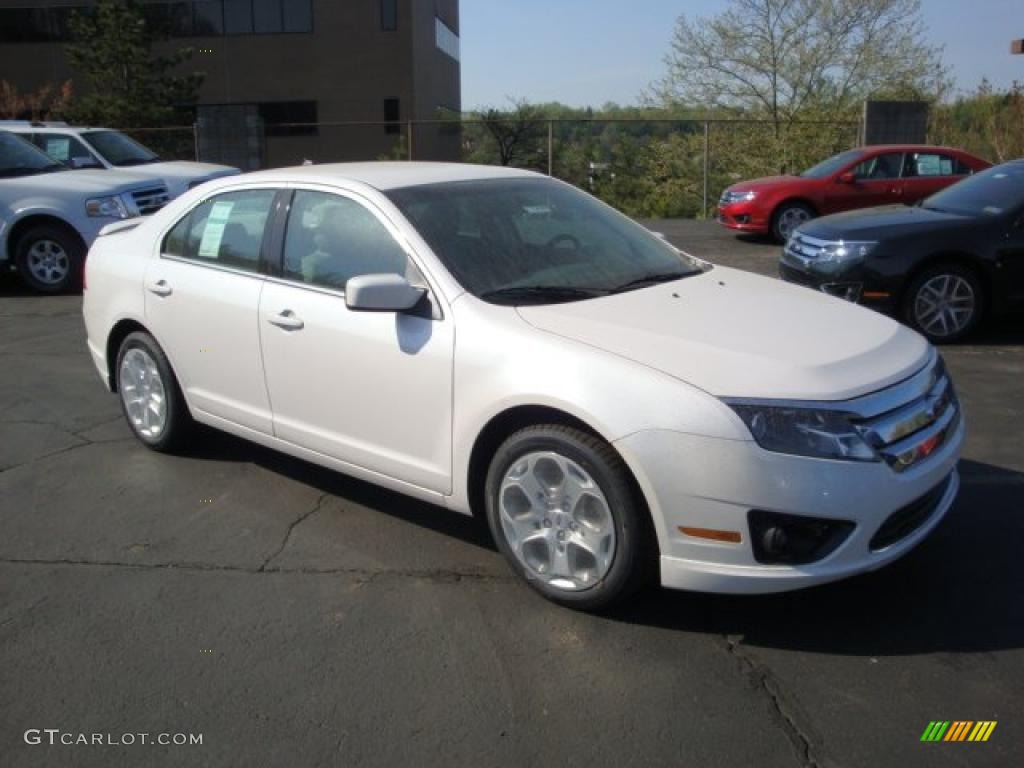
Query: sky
x=589 y=52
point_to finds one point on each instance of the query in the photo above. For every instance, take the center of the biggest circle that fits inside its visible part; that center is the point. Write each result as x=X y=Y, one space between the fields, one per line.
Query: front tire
x=787 y=218
x=944 y=303
x=566 y=514
x=151 y=399
x=50 y=258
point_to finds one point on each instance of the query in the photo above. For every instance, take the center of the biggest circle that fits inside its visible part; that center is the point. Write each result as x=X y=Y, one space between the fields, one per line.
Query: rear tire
x=151 y=399
x=944 y=303
x=787 y=217
x=49 y=259
x=567 y=515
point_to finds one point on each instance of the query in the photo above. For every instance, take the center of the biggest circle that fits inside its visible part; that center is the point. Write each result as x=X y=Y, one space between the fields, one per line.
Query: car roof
x=389 y=175
x=911 y=148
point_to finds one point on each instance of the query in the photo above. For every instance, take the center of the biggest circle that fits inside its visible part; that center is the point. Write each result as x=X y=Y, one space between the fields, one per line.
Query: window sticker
x=58 y=148
x=209 y=246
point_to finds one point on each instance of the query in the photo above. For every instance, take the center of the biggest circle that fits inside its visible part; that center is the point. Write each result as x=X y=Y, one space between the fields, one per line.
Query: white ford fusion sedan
x=499 y=342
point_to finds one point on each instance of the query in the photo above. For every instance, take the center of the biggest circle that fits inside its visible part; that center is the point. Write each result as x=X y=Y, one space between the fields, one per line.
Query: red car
x=860 y=178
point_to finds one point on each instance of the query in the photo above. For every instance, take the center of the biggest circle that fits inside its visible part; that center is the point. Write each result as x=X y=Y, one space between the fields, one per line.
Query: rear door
x=925 y=173
x=202 y=303
x=373 y=389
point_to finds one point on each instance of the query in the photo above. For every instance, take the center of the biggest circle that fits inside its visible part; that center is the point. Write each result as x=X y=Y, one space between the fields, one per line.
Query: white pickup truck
x=105 y=148
x=50 y=214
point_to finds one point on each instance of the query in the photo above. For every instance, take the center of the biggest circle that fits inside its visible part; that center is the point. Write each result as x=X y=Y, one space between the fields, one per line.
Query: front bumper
x=745 y=217
x=708 y=483
x=859 y=283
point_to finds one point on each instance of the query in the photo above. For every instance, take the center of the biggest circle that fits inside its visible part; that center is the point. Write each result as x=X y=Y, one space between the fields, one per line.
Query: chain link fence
x=646 y=168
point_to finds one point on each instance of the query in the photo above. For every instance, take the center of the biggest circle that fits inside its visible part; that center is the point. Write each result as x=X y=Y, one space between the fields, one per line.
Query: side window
x=226 y=230
x=885 y=166
x=924 y=164
x=66 y=149
x=331 y=239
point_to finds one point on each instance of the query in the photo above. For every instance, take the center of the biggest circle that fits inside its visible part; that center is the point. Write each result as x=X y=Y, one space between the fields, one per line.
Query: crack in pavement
x=294 y=524
x=765 y=682
x=365 y=575
x=75 y=434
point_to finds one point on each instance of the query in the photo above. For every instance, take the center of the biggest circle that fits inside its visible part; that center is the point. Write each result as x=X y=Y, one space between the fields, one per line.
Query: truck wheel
x=49 y=259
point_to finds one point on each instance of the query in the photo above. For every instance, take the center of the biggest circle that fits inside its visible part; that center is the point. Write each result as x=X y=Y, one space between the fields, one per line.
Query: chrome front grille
x=150 y=200
x=913 y=430
x=805 y=249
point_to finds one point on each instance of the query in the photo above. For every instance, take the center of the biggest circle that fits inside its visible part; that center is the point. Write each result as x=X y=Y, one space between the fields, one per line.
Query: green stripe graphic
x=940 y=732
x=927 y=731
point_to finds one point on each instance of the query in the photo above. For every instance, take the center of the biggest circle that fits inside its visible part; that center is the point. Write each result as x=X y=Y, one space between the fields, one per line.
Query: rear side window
x=226 y=230
x=925 y=164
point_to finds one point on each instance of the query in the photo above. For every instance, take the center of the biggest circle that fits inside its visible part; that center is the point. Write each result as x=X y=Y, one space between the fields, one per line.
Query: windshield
x=836 y=163
x=19 y=157
x=120 y=150
x=516 y=241
x=989 y=193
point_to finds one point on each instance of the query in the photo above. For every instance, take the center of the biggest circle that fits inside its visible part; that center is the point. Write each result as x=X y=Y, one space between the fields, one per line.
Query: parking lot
x=293 y=616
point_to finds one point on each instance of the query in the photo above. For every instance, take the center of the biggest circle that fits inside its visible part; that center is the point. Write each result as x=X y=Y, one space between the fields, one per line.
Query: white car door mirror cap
x=382 y=293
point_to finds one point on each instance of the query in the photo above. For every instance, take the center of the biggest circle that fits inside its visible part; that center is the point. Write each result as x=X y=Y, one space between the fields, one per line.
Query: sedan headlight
x=730 y=196
x=112 y=207
x=836 y=256
x=805 y=432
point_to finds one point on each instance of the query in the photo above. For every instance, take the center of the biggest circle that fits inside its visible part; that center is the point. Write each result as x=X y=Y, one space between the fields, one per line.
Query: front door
x=202 y=300
x=876 y=181
x=372 y=389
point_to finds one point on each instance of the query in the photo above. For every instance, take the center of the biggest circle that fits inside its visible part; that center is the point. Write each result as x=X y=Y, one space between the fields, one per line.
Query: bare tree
x=515 y=131
x=46 y=103
x=791 y=59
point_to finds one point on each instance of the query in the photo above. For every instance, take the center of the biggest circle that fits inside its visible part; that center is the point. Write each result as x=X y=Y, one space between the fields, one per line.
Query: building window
x=175 y=18
x=279 y=116
x=447 y=40
x=389 y=15
x=392 y=114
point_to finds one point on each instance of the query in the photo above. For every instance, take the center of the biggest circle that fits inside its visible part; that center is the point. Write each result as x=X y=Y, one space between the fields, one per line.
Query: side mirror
x=846 y=178
x=381 y=293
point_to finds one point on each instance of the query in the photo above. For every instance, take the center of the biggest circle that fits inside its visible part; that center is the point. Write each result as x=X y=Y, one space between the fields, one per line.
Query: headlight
x=805 y=432
x=835 y=256
x=112 y=207
x=729 y=197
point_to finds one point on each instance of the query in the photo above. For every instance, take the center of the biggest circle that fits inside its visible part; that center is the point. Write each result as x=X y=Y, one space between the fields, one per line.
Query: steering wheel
x=563 y=238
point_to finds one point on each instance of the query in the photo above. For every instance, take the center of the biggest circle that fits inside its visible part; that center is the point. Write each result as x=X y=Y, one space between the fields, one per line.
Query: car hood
x=877 y=223
x=735 y=334
x=85 y=181
x=187 y=170
x=765 y=181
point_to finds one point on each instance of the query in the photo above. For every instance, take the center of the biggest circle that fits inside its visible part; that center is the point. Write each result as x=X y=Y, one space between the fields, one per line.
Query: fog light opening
x=781 y=539
x=847 y=291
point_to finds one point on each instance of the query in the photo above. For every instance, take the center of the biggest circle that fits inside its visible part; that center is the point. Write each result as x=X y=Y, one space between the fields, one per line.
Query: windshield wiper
x=654 y=278
x=541 y=292
x=137 y=161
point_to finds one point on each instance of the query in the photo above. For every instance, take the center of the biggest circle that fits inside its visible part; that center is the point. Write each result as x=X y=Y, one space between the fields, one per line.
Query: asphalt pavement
x=295 y=617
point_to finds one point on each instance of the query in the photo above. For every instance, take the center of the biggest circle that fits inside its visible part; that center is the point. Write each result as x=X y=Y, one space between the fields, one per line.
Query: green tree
x=127 y=84
x=788 y=60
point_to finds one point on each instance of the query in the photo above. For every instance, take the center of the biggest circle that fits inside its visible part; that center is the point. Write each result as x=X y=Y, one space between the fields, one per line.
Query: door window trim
x=275 y=272
x=265 y=261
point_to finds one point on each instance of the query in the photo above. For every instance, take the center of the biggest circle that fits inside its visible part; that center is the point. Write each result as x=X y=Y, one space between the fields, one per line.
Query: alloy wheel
x=48 y=262
x=143 y=393
x=790 y=219
x=944 y=305
x=557 y=521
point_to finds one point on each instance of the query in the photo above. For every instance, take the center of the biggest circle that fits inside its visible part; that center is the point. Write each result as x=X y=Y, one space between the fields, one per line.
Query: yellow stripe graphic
x=988 y=731
x=977 y=730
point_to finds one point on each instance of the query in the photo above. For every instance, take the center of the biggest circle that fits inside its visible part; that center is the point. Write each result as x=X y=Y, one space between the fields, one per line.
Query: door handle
x=159 y=287
x=286 y=320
